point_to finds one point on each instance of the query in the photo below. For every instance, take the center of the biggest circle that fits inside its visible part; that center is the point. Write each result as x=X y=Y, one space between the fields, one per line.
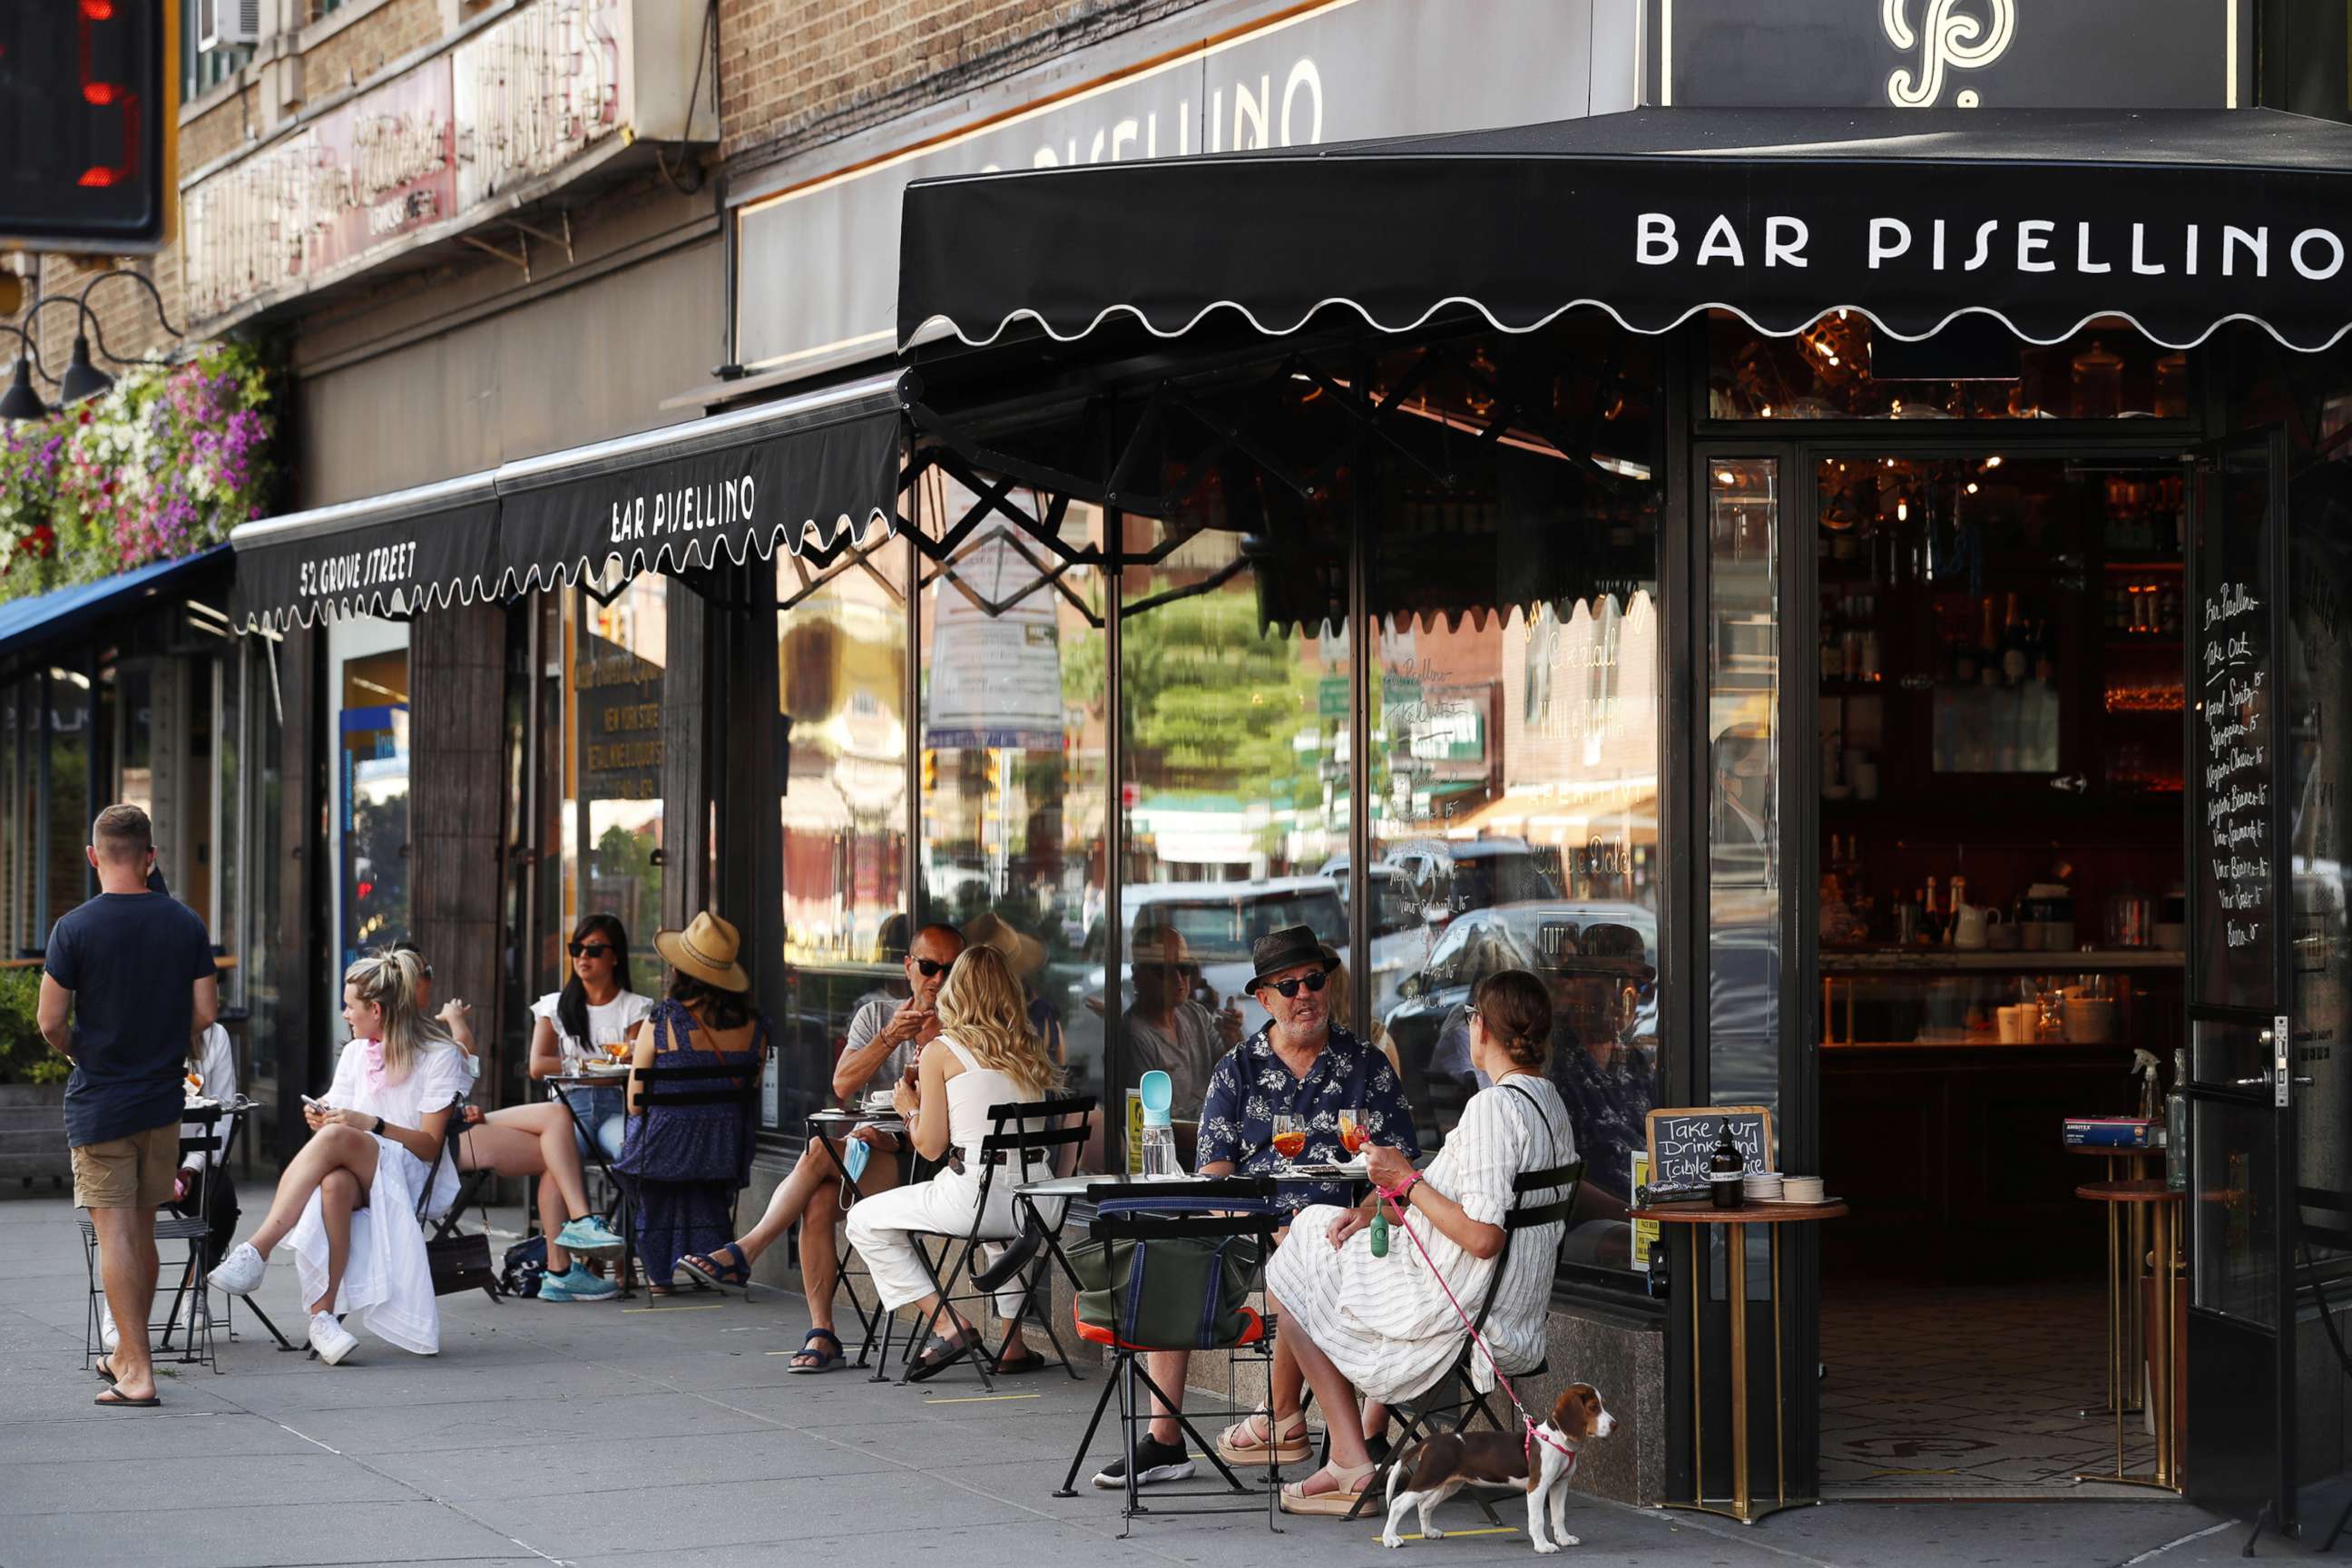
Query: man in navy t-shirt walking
x=134 y=971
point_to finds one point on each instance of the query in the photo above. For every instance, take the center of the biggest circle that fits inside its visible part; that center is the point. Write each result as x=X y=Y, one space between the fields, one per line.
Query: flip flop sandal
x=1015 y=1366
x=826 y=1359
x=943 y=1353
x=105 y=1373
x=1243 y=1444
x=696 y=1271
x=115 y=1399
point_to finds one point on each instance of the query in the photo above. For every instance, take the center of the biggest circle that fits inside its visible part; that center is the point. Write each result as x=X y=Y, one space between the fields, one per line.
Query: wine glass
x=1289 y=1136
x=1354 y=1133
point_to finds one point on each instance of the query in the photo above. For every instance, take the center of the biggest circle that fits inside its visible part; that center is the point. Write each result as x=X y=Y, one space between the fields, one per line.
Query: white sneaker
x=242 y=1271
x=331 y=1339
x=109 y=1338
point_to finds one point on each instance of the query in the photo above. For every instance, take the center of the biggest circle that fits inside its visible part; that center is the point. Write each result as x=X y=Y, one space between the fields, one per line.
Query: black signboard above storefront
x=2176 y=220
x=812 y=474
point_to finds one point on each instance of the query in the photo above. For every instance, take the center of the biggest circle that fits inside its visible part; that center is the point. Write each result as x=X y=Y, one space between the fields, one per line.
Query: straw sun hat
x=706 y=949
x=1025 y=954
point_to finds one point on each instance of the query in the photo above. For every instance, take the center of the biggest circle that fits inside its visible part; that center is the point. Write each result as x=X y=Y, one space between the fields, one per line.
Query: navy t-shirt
x=131 y=960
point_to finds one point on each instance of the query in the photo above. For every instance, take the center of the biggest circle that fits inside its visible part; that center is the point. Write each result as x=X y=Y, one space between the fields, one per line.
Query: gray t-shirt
x=864 y=1025
x=1187 y=1055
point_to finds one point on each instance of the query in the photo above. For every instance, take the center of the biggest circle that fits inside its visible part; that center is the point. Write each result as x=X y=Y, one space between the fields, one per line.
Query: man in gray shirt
x=1164 y=1029
x=885 y=1038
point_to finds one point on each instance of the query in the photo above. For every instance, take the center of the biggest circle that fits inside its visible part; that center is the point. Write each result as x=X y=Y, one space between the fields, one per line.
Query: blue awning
x=27 y=625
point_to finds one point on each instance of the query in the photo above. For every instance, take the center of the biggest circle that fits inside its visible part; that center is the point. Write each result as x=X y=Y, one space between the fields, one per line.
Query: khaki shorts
x=133 y=1172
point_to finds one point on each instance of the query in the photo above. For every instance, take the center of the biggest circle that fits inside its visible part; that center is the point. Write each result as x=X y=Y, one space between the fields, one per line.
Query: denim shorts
x=602 y=1109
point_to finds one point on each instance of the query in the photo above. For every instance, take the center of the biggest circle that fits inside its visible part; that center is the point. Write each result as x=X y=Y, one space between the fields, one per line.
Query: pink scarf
x=372 y=1067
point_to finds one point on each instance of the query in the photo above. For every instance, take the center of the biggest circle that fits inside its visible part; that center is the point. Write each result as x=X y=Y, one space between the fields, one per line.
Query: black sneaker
x=1154 y=1461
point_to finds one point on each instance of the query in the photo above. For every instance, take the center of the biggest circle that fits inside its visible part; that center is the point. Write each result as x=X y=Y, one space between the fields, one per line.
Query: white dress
x=387 y=1282
x=1385 y=1321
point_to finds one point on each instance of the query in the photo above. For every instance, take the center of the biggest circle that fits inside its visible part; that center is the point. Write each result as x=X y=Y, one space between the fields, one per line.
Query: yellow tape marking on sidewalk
x=983 y=1398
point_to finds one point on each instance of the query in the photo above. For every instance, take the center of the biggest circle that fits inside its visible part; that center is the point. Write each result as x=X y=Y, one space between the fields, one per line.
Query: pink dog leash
x=1391 y=1196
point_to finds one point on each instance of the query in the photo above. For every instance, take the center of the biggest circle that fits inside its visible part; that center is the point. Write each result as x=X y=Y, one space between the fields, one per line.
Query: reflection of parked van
x=1449 y=876
x=1401 y=932
x=1219 y=920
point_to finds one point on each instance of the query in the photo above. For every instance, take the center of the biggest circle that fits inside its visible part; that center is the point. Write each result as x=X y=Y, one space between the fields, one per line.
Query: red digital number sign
x=85 y=107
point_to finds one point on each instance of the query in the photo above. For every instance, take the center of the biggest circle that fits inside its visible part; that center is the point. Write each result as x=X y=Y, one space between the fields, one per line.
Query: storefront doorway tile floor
x=1969 y=1393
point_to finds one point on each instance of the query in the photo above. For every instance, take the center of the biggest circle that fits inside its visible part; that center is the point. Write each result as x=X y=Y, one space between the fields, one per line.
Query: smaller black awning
x=813 y=473
x=2042 y=220
x=386 y=555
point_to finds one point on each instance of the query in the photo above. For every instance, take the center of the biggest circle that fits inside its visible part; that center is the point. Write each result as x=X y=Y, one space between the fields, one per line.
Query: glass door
x=2240 y=1306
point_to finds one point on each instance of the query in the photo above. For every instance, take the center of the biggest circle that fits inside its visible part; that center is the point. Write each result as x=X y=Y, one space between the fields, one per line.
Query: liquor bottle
x=1964 y=659
x=2016 y=655
x=1870 y=671
x=1724 y=1169
x=1933 y=924
x=1988 y=650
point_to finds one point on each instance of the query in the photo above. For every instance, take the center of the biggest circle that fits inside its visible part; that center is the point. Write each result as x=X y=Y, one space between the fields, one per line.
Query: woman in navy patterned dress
x=686 y=1163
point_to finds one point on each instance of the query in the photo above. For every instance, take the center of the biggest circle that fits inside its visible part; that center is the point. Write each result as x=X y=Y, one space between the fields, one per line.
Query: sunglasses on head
x=932 y=968
x=1289 y=988
x=591 y=949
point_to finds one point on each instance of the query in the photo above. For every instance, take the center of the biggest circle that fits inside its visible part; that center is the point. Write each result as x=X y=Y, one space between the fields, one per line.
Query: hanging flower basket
x=161 y=465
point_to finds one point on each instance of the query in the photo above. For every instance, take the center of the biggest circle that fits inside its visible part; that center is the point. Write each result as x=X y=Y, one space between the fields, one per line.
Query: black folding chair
x=675 y=1089
x=1027 y=1136
x=197 y=1348
x=1209 y=1211
x=1435 y=1412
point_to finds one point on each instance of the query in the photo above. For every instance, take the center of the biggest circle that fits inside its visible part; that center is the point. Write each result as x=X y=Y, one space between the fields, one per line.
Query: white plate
x=605 y=1070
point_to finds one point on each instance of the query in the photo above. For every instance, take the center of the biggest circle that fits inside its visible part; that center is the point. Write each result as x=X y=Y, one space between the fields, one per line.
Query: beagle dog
x=1435 y=1469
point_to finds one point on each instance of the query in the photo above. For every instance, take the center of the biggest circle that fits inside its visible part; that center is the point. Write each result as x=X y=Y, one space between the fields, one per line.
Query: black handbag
x=459 y=1262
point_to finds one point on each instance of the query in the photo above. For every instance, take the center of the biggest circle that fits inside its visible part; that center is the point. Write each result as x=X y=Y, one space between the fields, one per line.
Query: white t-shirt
x=615 y=1020
x=216 y=1065
x=436 y=1077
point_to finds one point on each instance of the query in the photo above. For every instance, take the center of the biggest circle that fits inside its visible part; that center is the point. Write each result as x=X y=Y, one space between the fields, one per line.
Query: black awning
x=387 y=555
x=813 y=471
x=2179 y=220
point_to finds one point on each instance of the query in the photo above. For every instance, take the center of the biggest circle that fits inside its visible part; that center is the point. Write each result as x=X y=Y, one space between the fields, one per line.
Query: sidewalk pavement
x=644 y=1434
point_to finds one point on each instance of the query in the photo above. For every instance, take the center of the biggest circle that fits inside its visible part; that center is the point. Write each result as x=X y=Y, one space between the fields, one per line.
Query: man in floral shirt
x=1300 y=1065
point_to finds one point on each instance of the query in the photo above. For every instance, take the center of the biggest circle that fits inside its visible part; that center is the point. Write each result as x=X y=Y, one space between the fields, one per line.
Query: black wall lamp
x=82 y=379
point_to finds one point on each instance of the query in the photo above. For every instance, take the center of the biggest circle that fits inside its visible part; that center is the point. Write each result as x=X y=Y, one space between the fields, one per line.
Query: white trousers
x=882 y=1228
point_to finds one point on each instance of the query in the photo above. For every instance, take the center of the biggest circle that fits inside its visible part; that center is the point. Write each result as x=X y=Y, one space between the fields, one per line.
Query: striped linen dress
x=1385 y=1321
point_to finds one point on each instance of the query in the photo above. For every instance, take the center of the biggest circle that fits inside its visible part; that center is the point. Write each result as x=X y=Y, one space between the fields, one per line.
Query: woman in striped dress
x=1382 y=1328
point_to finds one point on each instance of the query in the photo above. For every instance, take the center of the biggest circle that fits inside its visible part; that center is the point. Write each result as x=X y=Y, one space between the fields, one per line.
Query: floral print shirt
x=1250 y=1087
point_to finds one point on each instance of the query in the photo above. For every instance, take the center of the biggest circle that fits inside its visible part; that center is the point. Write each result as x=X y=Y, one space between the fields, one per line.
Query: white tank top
x=970 y=1093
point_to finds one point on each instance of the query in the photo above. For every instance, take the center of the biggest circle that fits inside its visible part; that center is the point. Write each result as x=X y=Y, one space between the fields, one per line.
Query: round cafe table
x=2126 y=1245
x=2162 y=1206
x=1694 y=1219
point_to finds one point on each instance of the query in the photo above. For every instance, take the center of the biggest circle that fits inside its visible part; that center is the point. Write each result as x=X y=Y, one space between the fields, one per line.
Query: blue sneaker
x=588 y=1235
x=576 y=1284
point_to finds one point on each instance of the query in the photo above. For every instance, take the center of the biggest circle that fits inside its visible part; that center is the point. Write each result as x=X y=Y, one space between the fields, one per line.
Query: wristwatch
x=378 y=1126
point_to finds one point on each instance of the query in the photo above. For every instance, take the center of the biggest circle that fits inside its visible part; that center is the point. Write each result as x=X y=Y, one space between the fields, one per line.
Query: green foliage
x=24 y=1056
x=1216 y=701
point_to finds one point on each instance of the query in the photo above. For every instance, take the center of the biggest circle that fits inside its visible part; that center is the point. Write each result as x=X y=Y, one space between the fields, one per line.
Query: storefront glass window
x=1236 y=795
x=1514 y=721
x=841 y=767
x=1841 y=368
x=372 y=793
x=1014 y=728
x=65 y=761
x=613 y=815
x=17 y=818
x=1743 y=685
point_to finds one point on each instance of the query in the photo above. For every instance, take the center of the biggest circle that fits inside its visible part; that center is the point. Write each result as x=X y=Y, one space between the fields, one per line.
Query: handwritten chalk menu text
x=1682 y=1141
x=2234 y=766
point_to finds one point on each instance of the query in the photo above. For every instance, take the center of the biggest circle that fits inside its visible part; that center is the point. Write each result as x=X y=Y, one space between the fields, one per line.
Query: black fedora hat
x=1287 y=948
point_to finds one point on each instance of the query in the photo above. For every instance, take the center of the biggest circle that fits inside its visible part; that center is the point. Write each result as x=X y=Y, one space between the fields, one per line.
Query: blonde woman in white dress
x=1382 y=1329
x=986 y=1054
x=347 y=1203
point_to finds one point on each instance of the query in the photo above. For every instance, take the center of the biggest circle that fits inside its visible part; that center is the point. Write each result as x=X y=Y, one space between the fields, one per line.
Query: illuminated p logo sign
x=1947 y=39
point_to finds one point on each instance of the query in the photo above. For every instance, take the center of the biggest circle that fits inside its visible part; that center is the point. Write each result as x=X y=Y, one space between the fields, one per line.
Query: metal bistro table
x=626 y=1209
x=2156 y=1328
x=1695 y=1218
x=828 y=1130
x=2126 y=1246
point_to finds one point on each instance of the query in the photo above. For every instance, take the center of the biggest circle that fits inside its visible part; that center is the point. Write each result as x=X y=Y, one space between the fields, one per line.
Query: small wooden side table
x=2126 y=1245
x=1694 y=1219
x=2162 y=1206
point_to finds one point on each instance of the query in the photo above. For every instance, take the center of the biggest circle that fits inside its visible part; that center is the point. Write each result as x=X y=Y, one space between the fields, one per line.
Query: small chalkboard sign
x=1682 y=1139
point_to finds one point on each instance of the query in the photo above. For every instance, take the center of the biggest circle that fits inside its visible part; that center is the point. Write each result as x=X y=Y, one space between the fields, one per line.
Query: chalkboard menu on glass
x=2232 y=763
x=1682 y=1141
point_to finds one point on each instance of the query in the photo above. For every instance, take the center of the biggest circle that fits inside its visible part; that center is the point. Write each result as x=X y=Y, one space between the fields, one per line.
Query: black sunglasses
x=1289 y=988
x=932 y=968
x=588 y=949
